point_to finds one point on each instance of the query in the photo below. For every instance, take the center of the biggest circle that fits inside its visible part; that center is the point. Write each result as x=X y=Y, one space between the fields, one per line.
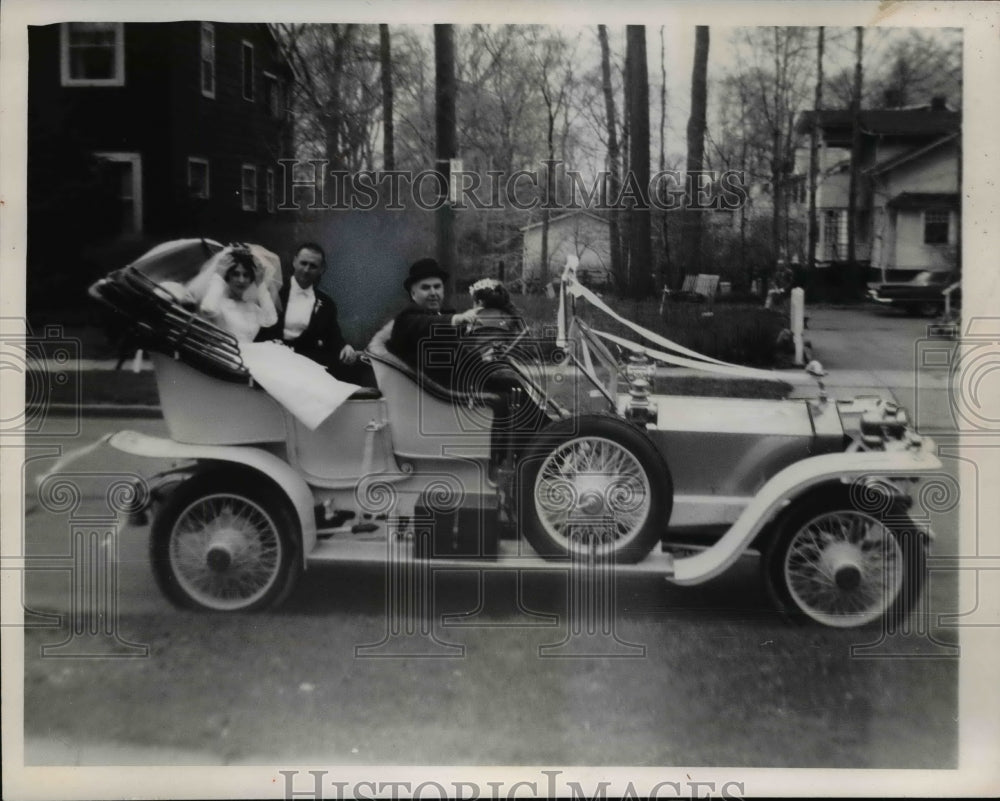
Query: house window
x=835 y=234
x=248 y=71
x=92 y=53
x=198 y=178
x=121 y=173
x=269 y=190
x=249 y=188
x=936 y=227
x=208 y=59
x=272 y=95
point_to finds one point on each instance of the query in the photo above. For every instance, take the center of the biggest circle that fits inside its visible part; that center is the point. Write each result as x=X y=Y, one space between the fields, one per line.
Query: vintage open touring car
x=675 y=486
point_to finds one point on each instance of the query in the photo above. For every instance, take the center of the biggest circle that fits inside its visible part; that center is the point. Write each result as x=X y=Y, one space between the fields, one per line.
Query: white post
x=797 y=313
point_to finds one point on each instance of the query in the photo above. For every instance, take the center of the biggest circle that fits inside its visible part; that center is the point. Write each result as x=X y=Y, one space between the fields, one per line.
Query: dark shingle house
x=140 y=132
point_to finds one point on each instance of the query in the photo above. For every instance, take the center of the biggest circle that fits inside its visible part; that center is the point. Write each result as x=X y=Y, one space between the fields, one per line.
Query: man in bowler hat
x=427 y=318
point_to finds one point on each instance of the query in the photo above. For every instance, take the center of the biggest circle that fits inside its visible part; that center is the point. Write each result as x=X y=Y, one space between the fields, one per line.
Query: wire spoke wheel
x=592 y=493
x=842 y=567
x=225 y=551
x=223 y=548
x=602 y=490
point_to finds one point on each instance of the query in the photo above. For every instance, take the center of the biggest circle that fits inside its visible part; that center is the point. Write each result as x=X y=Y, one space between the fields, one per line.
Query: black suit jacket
x=417 y=332
x=321 y=340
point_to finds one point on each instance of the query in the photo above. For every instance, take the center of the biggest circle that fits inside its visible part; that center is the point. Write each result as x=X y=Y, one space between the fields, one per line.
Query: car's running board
x=512 y=555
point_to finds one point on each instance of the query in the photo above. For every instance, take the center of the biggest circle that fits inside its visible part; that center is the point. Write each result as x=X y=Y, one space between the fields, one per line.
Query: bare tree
x=814 y=150
x=921 y=66
x=614 y=158
x=555 y=76
x=637 y=98
x=692 y=229
x=774 y=72
x=385 y=62
x=336 y=111
x=852 y=192
x=903 y=68
x=665 y=265
x=447 y=145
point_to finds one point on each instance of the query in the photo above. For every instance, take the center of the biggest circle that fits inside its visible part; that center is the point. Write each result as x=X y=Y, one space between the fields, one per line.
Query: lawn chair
x=695 y=289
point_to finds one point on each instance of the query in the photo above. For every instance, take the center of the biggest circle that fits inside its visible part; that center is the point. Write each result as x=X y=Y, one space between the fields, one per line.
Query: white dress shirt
x=299 y=311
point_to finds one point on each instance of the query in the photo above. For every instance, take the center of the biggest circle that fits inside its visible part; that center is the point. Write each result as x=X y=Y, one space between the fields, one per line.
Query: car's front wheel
x=844 y=567
x=596 y=487
x=226 y=542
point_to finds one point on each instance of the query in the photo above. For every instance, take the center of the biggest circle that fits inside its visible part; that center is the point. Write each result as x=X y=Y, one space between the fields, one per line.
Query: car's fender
x=788 y=485
x=279 y=471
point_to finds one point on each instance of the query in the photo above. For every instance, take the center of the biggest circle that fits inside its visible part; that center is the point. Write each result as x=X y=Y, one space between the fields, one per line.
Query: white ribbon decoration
x=698 y=361
x=578 y=290
x=721 y=368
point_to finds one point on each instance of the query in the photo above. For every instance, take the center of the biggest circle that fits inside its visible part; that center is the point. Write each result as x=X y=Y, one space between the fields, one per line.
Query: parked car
x=923 y=295
x=671 y=486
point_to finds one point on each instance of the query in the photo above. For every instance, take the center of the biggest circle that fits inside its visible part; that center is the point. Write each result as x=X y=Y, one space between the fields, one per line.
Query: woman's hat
x=423 y=269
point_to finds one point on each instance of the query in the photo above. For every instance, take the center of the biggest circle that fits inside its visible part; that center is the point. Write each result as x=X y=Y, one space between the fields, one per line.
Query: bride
x=236 y=298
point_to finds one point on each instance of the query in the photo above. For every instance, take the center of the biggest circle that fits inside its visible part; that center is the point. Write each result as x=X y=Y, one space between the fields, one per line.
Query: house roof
x=903 y=158
x=566 y=216
x=837 y=123
x=924 y=200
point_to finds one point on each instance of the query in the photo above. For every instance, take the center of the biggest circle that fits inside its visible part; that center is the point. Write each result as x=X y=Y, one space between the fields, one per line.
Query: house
x=146 y=131
x=908 y=208
x=578 y=233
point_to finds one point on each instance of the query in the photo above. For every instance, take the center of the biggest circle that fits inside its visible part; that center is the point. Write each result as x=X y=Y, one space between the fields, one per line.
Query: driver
x=427 y=319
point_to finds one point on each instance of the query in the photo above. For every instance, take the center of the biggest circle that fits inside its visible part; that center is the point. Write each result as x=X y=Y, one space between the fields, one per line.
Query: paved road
x=866 y=338
x=701 y=675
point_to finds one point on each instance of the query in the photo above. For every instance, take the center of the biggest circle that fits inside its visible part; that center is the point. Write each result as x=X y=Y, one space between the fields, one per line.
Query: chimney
x=938 y=103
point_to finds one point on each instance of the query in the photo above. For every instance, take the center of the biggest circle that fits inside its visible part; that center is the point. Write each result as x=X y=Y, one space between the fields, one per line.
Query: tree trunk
x=447 y=142
x=814 y=153
x=640 y=244
x=332 y=116
x=696 y=145
x=852 y=191
x=614 y=160
x=385 y=60
x=776 y=166
x=550 y=190
x=666 y=269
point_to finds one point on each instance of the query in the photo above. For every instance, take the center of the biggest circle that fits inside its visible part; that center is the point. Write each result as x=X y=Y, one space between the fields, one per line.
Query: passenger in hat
x=427 y=317
x=428 y=327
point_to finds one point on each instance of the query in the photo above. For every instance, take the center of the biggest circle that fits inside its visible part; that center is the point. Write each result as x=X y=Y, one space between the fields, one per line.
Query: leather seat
x=378 y=351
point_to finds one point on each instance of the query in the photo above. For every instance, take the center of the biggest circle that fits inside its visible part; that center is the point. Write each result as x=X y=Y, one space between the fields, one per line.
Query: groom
x=307 y=320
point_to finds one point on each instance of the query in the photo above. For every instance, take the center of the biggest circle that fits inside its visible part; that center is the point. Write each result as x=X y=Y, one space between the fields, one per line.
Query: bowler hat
x=423 y=269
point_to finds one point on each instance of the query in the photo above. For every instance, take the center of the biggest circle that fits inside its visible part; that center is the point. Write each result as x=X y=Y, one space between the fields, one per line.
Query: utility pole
x=814 y=151
x=852 y=196
x=447 y=143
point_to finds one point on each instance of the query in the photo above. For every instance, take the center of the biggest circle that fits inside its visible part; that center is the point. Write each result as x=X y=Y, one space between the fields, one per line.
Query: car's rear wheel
x=834 y=564
x=594 y=486
x=226 y=542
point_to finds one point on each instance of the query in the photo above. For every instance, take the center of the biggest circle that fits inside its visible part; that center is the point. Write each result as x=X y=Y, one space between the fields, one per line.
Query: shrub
x=742 y=334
